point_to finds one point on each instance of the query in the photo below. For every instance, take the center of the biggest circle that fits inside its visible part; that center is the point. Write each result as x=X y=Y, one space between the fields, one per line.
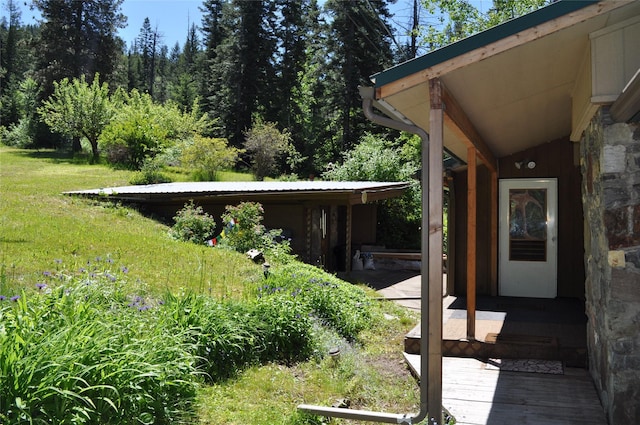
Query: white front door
x=527 y=238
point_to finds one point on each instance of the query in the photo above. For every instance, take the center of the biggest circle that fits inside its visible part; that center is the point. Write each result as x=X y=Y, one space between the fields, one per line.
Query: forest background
x=255 y=82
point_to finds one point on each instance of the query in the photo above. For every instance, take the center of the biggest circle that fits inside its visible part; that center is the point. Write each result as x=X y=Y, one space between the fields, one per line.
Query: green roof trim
x=481 y=39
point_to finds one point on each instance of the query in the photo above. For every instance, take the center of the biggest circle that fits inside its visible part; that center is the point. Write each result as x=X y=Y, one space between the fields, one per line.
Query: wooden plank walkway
x=476 y=395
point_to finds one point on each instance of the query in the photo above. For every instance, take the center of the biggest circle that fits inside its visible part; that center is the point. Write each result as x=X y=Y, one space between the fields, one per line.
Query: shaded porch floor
x=514 y=371
x=506 y=327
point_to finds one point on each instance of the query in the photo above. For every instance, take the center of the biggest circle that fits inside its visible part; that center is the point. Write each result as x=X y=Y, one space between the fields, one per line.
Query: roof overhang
x=516 y=82
x=347 y=193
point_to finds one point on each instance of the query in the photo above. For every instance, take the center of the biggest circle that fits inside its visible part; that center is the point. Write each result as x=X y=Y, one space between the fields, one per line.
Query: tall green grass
x=105 y=319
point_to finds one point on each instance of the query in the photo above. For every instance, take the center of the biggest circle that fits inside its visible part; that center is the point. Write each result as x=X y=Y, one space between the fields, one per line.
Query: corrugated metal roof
x=243 y=187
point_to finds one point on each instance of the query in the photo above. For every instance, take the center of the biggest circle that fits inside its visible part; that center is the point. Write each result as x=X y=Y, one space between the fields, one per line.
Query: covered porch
x=527 y=364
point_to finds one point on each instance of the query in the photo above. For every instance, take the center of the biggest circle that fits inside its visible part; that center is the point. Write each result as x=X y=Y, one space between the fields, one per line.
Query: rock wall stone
x=610 y=164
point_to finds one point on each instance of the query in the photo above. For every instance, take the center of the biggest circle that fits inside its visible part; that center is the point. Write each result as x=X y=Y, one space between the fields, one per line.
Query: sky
x=172 y=18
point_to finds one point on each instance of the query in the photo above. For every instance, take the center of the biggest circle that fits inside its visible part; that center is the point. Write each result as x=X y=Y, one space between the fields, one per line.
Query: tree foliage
x=78 y=38
x=294 y=63
x=460 y=18
x=79 y=109
x=207 y=156
x=377 y=159
x=266 y=146
x=143 y=129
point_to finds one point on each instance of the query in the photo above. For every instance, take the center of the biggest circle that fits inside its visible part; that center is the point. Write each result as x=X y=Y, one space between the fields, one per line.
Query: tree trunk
x=75 y=144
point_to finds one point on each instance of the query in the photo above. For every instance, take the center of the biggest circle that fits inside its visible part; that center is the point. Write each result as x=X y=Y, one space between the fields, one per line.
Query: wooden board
x=475 y=395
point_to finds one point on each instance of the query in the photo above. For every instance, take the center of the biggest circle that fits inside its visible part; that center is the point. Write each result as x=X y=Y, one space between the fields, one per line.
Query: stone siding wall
x=610 y=163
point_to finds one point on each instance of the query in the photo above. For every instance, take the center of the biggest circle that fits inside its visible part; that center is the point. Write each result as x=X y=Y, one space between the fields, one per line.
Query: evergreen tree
x=292 y=34
x=360 y=44
x=17 y=58
x=241 y=72
x=213 y=32
x=148 y=43
x=78 y=38
x=314 y=89
x=9 y=37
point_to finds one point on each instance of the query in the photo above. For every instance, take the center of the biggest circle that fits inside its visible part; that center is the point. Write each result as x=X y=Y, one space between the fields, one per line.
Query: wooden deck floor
x=476 y=395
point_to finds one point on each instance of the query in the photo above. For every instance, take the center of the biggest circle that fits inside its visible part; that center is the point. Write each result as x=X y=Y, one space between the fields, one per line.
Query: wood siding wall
x=555 y=159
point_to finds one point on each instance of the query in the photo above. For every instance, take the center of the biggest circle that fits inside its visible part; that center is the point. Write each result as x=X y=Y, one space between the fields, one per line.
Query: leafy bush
x=207 y=156
x=340 y=305
x=150 y=173
x=267 y=145
x=143 y=129
x=244 y=231
x=376 y=159
x=192 y=224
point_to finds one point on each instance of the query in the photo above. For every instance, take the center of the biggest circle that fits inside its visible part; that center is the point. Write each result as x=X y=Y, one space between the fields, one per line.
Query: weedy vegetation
x=106 y=319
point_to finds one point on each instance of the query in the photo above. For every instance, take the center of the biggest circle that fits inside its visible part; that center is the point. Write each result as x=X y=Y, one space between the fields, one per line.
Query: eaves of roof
x=347 y=191
x=484 y=38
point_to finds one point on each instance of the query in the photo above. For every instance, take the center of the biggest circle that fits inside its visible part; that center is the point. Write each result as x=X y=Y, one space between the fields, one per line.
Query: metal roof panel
x=242 y=187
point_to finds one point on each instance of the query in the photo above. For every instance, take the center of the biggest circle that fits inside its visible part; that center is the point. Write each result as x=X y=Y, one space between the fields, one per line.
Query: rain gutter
x=431 y=315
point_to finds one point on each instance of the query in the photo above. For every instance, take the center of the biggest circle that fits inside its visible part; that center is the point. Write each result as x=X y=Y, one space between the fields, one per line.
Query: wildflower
x=110 y=260
x=2 y=298
x=41 y=286
x=58 y=261
x=15 y=298
x=82 y=270
x=47 y=273
x=124 y=269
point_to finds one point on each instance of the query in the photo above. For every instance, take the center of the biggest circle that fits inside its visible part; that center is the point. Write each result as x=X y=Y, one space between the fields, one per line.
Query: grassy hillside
x=40 y=227
x=43 y=232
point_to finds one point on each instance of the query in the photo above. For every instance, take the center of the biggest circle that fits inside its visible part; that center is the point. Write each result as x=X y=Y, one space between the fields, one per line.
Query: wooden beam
x=493 y=217
x=348 y=228
x=471 y=242
x=499 y=46
x=434 y=192
x=458 y=121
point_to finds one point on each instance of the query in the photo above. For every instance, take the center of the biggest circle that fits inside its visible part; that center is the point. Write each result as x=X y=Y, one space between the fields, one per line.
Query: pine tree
x=148 y=42
x=241 y=73
x=360 y=43
x=78 y=38
x=10 y=72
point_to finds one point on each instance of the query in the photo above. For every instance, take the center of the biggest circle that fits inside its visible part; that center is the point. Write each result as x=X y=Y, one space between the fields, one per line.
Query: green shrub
x=143 y=129
x=150 y=173
x=223 y=333
x=206 y=156
x=244 y=231
x=192 y=224
x=285 y=328
x=377 y=159
x=340 y=305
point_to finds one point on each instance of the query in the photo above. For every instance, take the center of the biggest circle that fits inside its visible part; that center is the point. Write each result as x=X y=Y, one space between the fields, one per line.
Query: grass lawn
x=42 y=231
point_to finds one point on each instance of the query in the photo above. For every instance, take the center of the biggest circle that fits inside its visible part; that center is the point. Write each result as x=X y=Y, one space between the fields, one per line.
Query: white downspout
x=428 y=338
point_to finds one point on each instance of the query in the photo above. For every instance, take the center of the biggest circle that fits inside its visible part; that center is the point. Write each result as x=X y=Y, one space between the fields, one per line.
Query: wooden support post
x=348 y=241
x=471 y=242
x=434 y=193
x=493 y=216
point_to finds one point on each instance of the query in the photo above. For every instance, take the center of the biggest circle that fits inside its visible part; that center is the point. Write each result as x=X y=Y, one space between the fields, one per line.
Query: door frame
x=527 y=278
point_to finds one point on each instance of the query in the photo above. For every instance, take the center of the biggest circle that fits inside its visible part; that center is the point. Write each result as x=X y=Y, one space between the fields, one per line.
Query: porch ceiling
x=516 y=90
